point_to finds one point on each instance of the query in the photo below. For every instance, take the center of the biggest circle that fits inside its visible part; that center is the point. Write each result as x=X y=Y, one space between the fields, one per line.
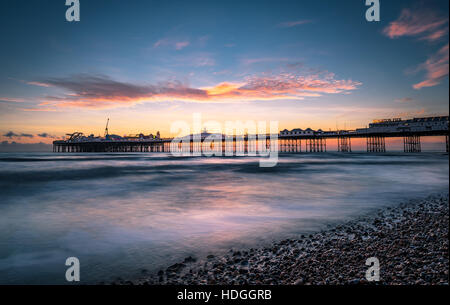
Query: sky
x=146 y=64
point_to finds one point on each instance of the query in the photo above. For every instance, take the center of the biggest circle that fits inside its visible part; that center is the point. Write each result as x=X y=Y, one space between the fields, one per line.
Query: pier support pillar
x=316 y=145
x=344 y=144
x=298 y=145
x=411 y=144
x=376 y=144
x=446 y=143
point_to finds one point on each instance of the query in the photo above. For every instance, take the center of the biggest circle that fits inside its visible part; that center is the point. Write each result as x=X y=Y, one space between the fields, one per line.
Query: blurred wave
x=119 y=213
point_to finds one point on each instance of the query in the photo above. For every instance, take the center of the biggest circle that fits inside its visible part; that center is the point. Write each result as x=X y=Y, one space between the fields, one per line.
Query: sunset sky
x=145 y=64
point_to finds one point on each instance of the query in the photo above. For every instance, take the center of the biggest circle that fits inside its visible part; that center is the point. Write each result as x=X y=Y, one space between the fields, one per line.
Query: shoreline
x=410 y=240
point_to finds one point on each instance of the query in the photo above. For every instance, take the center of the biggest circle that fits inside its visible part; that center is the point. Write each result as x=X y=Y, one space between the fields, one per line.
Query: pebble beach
x=410 y=240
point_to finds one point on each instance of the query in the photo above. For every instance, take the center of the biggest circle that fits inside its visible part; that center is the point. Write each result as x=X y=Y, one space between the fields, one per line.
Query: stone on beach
x=409 y=240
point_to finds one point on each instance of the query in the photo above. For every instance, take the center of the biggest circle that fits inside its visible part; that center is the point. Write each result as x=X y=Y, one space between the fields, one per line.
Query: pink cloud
x=436 y=67
x=425 y=24
x=180 y=45
x=97 y=91
x=160 y=43
x=177 y=45
x=291 y=83
x=39 y=84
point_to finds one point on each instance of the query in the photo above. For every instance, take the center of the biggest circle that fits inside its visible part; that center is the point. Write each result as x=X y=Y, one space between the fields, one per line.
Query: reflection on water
x=120 y=213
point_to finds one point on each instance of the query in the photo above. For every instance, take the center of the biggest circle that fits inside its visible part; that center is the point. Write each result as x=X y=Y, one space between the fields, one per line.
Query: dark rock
x=177 y=267
x=190 y=259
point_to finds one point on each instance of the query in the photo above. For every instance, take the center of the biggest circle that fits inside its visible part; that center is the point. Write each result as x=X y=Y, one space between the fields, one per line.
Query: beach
x=410 y=241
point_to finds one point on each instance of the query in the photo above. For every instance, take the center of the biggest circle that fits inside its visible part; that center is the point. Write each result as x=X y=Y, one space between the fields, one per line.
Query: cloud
x=413 y=113
x=99 y=91
x=293 y=84
x=422 y=23
x=403 y=100
x=13 y=146
x=428 y=25
x=180 y=45
x=177 y=45
x=160 y=43
x=291 y=24
x=251 y=61
x=40 y=109
x=39 y=84
x=196 y=59
x=202 y=40
x=26 y=135
x=436 y=67
x=202 y=61
x=295 y=65
x=12 y=100
x=11 y=134
x=46 y=135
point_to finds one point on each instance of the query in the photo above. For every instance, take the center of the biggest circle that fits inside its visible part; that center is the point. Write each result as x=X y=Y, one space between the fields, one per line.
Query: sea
x=127 y=215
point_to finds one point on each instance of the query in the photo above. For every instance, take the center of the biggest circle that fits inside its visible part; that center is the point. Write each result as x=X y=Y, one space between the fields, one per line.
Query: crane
x=106 y=129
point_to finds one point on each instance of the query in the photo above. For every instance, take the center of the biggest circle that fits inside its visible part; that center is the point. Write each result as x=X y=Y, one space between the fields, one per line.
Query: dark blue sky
x=315 y=63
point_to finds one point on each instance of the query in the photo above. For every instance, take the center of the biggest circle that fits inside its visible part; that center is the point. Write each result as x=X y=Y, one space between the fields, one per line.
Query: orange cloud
x=40 y=84
x=39 y=109
x=97 y=91
x=411 y=114
x=425 y=24
x=436 y=68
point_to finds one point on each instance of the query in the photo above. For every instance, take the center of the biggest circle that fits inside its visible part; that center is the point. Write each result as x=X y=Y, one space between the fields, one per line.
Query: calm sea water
x=120 y=213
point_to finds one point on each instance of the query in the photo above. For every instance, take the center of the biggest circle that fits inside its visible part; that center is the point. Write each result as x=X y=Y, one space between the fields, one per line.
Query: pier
x=285 y=142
